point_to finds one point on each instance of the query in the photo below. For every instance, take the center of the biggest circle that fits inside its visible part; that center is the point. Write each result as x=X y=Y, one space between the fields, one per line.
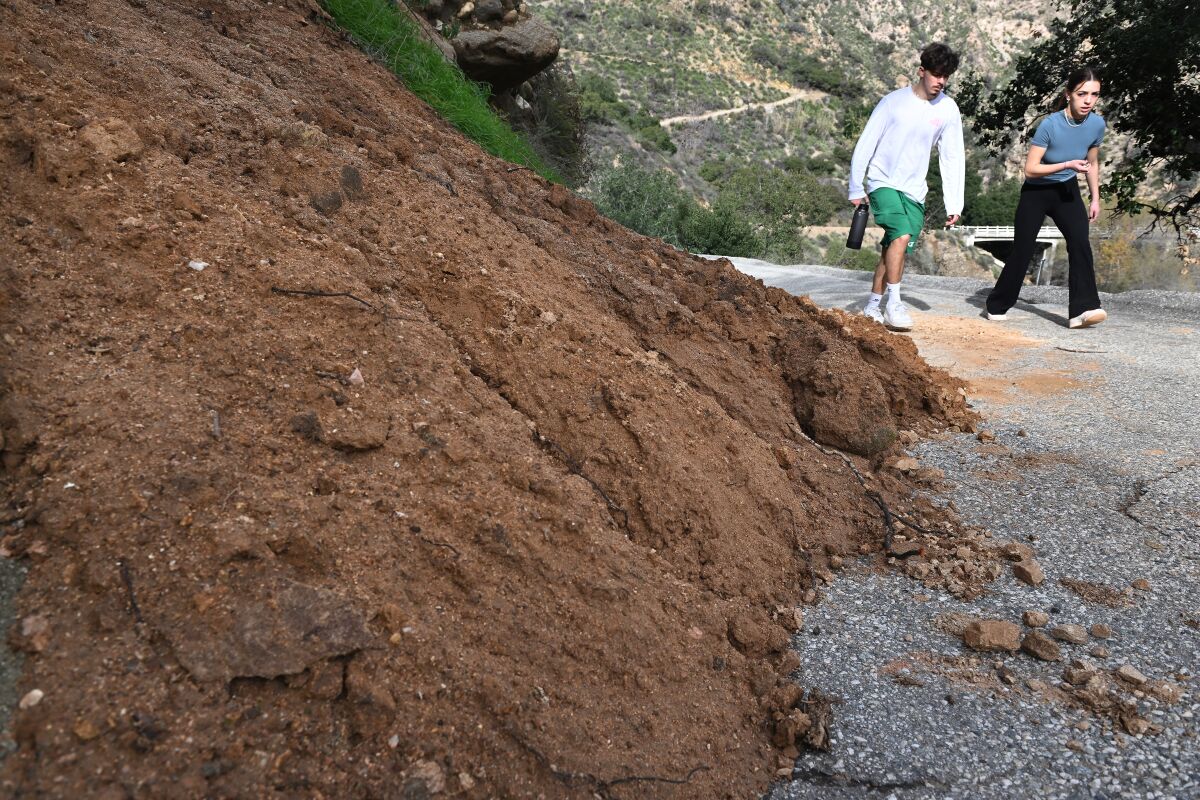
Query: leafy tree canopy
x=1148 y=54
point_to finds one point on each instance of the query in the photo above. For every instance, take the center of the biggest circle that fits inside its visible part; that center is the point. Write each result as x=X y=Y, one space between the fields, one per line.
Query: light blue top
x=1066 y=142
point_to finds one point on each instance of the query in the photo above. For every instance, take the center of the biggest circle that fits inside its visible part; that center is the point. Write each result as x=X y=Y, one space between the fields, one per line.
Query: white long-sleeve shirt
x=894 y=148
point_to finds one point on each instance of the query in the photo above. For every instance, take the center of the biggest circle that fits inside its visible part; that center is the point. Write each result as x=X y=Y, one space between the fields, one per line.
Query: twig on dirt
x=216 y=424
x=314 y=293
x=1073 y=350
x=127 y=579
x=457 y=555
x=517 y=169
x=889 y=516
x=603 y=787
x=333 y=376
x=445 y=183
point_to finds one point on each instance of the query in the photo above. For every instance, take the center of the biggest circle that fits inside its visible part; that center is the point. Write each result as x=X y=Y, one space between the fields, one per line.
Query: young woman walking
x=1066 y=143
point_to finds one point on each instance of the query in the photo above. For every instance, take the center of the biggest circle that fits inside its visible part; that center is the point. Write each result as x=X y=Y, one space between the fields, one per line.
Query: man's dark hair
x=939 y=59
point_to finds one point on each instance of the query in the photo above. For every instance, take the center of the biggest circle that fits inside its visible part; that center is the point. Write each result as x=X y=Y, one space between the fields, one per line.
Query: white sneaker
x=873 y=312
x=1088 y=318
x=896 y=317
x=997 y=317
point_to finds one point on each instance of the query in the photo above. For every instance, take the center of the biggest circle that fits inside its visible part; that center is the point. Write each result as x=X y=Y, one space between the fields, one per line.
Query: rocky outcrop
x=507 y=56
x=495 y=42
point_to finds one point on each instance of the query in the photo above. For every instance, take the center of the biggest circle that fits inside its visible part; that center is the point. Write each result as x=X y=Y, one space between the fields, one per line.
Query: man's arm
x=864 y=150
x=952 y=160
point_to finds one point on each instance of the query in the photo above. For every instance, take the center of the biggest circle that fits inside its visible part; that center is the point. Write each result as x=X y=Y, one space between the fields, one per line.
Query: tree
x=1148 y=52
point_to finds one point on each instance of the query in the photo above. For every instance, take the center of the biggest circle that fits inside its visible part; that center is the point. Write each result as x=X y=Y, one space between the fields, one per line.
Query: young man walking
x=892 y=159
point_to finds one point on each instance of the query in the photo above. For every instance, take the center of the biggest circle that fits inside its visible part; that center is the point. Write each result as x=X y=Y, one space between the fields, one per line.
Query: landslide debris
x=489 y=497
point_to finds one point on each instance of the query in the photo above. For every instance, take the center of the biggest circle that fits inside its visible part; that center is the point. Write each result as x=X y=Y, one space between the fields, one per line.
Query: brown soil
x=540 y=548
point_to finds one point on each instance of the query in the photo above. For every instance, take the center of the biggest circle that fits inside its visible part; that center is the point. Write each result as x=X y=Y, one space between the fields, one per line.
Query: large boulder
x=508 y=56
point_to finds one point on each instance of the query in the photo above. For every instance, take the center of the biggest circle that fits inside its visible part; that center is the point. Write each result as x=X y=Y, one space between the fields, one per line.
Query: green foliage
x=598 y=100
x=1149 y=55
x=651 y=134
x=652 y=203
x=935 y=205
x=838 y=255
x=719 y=231
x=995 y=205
x=805 y=70
x=823 y=165
x=794 y=198
x=391 y=36
x=554 y=124
x=600 y=103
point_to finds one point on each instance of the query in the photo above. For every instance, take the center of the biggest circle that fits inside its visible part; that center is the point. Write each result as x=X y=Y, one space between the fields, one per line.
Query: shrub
x=996 y=205
x=648 y=202
x=718 y=231
x=838 y=255
x=770 y=194
x=554 y=124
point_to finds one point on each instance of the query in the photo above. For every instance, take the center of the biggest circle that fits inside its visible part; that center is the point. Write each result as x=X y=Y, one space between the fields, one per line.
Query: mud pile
x=349 y=461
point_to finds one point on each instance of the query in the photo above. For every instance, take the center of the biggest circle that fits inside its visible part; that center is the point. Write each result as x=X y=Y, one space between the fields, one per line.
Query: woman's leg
x=1070 y=216
x=1031 y=212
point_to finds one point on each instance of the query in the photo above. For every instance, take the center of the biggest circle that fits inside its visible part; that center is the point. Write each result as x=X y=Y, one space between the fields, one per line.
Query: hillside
x=347 y=460
x=687 y=57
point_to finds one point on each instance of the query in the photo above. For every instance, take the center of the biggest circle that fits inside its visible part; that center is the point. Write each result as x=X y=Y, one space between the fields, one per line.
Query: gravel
x=1104 y=483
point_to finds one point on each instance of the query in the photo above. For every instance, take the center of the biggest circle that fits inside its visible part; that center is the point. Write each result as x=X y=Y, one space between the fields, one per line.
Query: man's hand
x=950 y=220
x=1094 y=211
x=856 y=200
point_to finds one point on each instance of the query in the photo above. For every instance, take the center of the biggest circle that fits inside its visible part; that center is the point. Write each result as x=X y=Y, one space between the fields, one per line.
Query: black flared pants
x=1063 y=204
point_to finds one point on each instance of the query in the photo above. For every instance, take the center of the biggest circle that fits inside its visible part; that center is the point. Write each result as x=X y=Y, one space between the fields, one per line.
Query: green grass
x=391 y=37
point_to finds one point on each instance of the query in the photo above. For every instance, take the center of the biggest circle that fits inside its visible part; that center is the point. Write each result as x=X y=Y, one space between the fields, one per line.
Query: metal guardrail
x=1007 y=232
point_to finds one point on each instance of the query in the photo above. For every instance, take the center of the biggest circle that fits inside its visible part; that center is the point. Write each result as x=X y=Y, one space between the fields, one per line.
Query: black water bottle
x=858 y=225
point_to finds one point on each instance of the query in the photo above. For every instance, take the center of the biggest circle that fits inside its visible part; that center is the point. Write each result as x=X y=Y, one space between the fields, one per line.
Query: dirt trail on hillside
x=349 y=461
x=809 y=95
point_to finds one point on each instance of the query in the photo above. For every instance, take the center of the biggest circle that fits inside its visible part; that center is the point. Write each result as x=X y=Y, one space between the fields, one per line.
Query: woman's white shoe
x=1088 y=318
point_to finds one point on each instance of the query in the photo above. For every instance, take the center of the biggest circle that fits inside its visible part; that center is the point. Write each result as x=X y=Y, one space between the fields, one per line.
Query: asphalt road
x=1096 y=465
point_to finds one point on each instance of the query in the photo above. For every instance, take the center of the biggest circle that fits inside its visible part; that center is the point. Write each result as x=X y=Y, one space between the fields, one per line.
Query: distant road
x=799 y=94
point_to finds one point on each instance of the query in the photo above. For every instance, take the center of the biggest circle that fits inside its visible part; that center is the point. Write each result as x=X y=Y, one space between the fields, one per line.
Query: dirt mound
x=349 y=461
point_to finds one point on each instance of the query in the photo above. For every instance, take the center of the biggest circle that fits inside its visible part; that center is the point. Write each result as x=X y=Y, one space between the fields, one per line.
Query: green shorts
x=898 y=215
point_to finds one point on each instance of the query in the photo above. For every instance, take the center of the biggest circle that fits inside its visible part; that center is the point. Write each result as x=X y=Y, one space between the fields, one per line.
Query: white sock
x=873 y=301
x=893 y=292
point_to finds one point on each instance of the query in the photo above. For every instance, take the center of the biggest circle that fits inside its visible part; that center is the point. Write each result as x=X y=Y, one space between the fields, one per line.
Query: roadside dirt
x=991 y=354
x=520 y=509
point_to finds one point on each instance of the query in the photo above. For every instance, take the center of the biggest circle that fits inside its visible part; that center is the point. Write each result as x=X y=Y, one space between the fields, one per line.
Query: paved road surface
x=1104 y=484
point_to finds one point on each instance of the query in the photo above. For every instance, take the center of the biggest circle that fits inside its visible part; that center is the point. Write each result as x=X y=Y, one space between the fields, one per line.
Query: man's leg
x=895 y=315
x=890 y=268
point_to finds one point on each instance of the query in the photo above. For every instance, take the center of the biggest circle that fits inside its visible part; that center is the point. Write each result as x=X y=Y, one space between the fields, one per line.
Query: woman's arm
x=1093 y=182
x=1034 y=168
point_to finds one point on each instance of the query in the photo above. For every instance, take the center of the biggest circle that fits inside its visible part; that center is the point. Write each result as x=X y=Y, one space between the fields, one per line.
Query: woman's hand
x=1079 y=165
x=1094 y=211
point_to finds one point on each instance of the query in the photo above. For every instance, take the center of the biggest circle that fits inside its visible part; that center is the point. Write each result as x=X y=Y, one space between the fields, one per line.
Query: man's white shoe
x=1088 y=318
x=997 y=317
x=896 y=317
x=873 y=312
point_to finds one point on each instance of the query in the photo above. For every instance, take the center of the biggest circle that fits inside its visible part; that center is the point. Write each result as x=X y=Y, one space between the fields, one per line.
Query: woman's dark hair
x=1076 y=78
x=939 y=59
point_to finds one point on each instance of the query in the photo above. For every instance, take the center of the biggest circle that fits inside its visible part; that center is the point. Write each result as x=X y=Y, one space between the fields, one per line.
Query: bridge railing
x=1007 y=232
